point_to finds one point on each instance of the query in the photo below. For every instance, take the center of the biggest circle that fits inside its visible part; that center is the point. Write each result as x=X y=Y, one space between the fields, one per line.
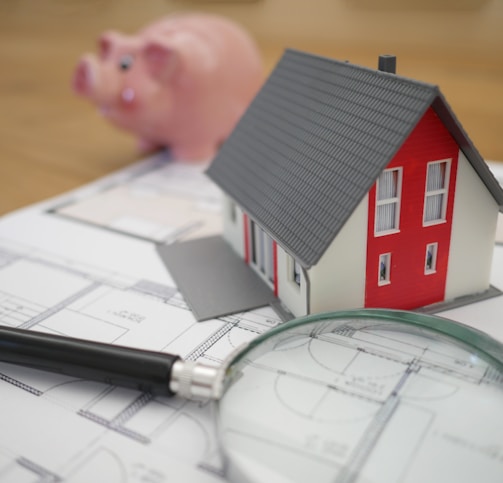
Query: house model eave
x=445 y=113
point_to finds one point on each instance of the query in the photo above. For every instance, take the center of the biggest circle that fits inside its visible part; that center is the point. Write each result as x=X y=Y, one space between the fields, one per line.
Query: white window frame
x=434 y=252
x=389 y=201
x=442 y=192
x=384 y=260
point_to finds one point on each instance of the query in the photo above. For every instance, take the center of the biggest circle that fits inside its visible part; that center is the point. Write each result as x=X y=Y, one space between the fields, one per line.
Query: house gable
x=408 y=283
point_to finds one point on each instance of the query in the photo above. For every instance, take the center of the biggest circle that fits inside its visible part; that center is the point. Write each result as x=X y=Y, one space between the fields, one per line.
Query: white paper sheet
x=84 y=264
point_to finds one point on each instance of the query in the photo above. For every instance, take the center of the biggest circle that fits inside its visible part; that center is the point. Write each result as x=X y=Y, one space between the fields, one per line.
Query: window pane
x=232 y=211
x=436 y=176
x=270 y=258
x=261 y=257
x=386 y=217
x=433 y=207
x=384 y=269
x=431 y=258
x=387 y=185
x=296 y=272
x=253 y=241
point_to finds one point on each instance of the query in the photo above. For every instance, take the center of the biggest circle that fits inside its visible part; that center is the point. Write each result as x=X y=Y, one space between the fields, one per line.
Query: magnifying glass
x=355 y=396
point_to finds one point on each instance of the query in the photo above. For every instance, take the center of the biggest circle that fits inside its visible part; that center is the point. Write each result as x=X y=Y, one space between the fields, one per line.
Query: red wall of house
x=409 y=287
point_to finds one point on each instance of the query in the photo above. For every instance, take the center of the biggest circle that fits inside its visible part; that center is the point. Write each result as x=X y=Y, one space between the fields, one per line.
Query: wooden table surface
x=51 y=141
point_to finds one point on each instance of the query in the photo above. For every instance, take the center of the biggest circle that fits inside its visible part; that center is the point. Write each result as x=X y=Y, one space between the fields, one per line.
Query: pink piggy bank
x=182 y=82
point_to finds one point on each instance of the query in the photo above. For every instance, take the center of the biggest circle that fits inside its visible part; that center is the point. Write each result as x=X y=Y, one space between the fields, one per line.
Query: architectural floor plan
x=157 y=200
x=61 y=297
x=58 y=275
x=85 y=265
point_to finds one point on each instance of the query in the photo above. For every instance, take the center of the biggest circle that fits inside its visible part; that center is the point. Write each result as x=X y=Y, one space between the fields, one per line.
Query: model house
x=352 y=187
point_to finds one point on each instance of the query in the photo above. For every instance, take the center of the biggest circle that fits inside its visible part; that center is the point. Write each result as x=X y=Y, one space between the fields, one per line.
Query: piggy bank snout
x=85 y=77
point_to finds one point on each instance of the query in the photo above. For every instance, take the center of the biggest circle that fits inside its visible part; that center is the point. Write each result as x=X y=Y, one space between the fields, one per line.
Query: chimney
x=387 y=63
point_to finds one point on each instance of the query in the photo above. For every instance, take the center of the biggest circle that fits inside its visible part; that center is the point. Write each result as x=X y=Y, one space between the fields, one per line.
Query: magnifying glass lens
x=364 y=399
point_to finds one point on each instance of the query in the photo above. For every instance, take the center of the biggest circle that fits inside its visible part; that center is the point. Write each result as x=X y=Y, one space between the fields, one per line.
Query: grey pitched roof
x=315 y=139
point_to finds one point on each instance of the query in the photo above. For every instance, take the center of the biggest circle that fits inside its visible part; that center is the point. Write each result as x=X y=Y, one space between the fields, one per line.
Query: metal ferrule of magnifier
x=195 y=381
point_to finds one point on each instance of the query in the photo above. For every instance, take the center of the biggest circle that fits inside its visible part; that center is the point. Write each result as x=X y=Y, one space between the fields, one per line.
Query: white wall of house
x=473 y=233
x=233 y=225
x=338 y=280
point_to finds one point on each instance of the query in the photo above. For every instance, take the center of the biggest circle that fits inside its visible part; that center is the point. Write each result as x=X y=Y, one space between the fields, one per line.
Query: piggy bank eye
x=126 y=62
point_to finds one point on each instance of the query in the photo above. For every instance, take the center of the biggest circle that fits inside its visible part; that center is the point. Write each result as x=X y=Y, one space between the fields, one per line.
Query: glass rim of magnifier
x=451 y=331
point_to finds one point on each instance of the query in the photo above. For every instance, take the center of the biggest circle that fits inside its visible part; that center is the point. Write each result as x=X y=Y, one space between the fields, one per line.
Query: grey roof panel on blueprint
x=311 y=145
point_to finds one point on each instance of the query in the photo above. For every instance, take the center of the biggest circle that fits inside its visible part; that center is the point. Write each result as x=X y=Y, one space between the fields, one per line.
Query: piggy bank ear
x=161 y=61
x=107 y=43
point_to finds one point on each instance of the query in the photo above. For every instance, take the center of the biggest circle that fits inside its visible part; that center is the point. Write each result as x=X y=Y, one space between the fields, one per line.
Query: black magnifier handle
x=157 y=373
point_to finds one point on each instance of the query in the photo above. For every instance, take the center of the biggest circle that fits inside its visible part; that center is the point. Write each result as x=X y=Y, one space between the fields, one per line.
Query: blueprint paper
x=64 y=276
x=65 y=268
x=158 y=200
